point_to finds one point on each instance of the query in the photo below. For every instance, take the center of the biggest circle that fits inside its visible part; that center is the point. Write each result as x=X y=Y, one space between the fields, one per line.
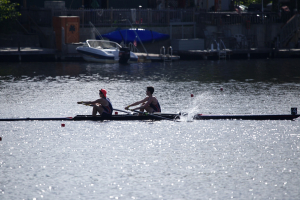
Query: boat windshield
x=103 y=44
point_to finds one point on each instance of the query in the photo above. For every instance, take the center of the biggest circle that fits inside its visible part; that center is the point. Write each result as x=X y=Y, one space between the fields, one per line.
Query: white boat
x=106 y=52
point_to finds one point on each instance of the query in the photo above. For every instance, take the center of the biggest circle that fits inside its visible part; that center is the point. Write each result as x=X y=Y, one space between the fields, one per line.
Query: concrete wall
x=188 y=44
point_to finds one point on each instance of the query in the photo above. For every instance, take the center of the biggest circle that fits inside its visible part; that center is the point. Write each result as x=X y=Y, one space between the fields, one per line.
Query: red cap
x=103 y=91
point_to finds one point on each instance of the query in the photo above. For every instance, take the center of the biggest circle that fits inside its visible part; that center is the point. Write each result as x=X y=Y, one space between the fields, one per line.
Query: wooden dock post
x=19 y=51
x=111 y=16
x=63 y=44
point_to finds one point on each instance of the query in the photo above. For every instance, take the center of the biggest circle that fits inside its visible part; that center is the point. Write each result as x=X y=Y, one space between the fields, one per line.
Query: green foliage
x=8 y=10
x=248 y=2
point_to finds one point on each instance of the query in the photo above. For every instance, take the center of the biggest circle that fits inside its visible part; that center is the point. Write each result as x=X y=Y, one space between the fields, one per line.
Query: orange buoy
x=192 y=95
x=62 y=125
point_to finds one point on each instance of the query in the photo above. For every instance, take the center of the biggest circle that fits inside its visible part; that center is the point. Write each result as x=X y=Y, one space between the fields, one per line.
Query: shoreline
x=31 y=54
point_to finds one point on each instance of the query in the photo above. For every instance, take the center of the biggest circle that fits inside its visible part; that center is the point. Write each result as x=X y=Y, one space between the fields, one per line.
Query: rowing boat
x=125 y=117
x=121 y=117
x=245 y=117
x=162 y=116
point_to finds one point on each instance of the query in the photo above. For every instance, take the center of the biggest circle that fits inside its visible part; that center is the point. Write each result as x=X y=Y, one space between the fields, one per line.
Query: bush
x=8 y=14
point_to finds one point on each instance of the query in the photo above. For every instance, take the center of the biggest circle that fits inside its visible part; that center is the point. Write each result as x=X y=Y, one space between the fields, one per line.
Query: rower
x=150 y=103
x=102 y=105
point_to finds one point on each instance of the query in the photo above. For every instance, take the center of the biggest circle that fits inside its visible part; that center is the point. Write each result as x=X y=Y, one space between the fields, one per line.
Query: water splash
x=194 y=106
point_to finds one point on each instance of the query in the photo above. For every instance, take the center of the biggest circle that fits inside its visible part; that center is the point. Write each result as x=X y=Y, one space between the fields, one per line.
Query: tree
x=8 y=10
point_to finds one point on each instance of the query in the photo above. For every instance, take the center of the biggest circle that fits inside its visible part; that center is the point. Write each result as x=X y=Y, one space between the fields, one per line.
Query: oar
x=183 y=114
x=123 y=111
x=114 y=108
x=37 y=119
x=157 y=116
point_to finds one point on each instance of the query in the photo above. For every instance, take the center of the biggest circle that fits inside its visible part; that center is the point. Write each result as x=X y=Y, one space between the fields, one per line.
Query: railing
x=138 y=17
x=150 y=17
x=95 y=30
x=231 y=18
x=289 y=30
x=221 y=41
x=133 y=48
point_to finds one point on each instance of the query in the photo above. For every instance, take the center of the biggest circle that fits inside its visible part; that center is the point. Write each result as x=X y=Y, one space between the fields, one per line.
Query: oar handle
x=85 y=104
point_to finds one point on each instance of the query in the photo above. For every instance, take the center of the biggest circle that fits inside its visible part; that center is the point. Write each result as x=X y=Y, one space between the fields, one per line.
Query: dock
x=151 y=57
x=19 y=52
x=32 y=53
x=205 y=54
x=239 y=53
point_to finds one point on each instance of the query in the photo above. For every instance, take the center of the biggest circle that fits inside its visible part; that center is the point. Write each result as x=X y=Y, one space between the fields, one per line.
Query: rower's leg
x=142 y=109
x=149 y=109
x=97 y=109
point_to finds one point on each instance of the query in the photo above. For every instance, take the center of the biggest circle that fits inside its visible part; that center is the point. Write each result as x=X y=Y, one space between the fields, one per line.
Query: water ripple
x=149 y=160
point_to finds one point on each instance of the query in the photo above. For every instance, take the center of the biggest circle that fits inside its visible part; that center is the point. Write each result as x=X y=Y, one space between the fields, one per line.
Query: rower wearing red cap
x=102 y=105
x=150 y=103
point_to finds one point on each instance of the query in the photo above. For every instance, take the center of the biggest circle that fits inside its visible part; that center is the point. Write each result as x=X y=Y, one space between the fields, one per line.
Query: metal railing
x=150 y=17
x=231 y=18
x=289 y=30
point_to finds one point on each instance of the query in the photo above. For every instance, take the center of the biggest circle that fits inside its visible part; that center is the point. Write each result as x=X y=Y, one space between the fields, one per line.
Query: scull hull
x=163 y=116
x=245 y=117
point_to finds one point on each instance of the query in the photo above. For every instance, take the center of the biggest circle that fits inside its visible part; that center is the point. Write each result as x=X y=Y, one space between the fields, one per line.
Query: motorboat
x=105 y=51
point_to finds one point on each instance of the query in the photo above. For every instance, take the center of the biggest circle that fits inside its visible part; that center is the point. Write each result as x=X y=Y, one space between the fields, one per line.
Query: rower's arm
x=148 y=102
x=145 y=105
x=90 y=102
x=137 y=103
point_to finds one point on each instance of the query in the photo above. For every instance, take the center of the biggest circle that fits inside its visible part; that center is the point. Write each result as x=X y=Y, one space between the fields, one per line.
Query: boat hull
x=127 y=117
x=159 y=116
x=245 y=117
x=121 y=117
x=97 y=54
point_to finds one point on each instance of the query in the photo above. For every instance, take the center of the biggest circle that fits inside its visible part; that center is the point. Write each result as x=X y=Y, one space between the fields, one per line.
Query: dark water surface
x=150 y=160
